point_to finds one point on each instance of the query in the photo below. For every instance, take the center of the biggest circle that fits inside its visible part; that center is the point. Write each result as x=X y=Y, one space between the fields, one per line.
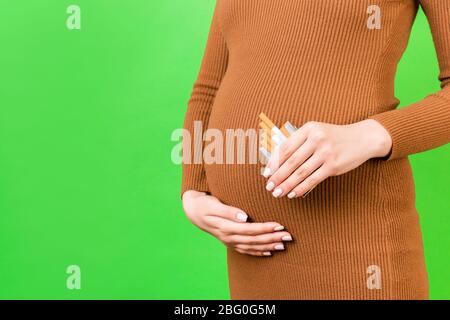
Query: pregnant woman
x=333 y=216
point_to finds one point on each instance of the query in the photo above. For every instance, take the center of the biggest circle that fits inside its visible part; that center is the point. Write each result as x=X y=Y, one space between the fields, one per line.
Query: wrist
x=192 y=194
x=376 y=137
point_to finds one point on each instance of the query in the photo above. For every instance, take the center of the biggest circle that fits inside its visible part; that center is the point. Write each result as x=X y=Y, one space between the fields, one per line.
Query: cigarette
x=280 y=138
x=266 y=140
x=277 y=140
x=266 y=120
x=272 y=137
x=264 y=126
x=266 y=136
x=290 y=127
x=267 y=145
x=285 y=131
x=265 y=153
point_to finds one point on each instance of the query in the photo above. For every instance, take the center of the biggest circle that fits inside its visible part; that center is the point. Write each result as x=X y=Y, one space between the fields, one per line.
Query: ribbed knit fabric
x=317 y=60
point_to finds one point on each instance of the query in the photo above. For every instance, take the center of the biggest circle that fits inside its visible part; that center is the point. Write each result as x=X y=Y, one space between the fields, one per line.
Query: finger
x=282 y=153
x=277 y=246
x=218 y=209
x=250 y=229
x=260 y=239
x=297 y=159
x=310 y=183
x=229 y=227
x=254 y=253
x=299 y=175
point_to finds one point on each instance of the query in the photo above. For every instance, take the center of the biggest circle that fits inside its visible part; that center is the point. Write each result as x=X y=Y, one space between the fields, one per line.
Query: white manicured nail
x=241 y=216
x=267 y=172
x=279 y=247
x=277 y=192
x=279 y=228
x=292 y=195
x=286 y=238
x=267 y=254
x=270 y=186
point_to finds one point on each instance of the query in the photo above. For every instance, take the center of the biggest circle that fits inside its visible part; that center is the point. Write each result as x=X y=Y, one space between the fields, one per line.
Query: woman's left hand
x=317 y=151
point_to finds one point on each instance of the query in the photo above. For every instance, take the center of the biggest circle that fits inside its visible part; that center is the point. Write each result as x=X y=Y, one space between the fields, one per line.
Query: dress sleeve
x=212 y=70
x=426 y=124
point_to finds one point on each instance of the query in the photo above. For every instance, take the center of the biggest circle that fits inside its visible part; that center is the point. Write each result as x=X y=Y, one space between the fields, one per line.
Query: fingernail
x=286 y=238
x=278 y=228
x=241 y=216
x=292 y=195
x=267 y=172
x=279 y=247
x=277 y=192
x=270 y=186
x=267 y=254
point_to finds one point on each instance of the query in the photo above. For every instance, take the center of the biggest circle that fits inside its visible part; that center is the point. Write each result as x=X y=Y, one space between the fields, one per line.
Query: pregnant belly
x=235 y=116
x=237 y=107
x=346 y=209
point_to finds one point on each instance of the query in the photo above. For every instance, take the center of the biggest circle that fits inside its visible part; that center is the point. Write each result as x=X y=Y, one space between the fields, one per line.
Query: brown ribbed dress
x=317 y=60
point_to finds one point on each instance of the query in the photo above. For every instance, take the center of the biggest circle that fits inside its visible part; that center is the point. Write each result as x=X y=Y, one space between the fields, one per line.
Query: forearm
x=425 y=124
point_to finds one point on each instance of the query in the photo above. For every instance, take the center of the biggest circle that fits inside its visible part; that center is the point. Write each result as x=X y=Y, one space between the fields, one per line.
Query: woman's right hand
x=230 y=226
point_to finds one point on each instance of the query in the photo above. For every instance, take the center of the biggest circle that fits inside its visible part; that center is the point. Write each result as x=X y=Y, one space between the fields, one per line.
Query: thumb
x=218 y=209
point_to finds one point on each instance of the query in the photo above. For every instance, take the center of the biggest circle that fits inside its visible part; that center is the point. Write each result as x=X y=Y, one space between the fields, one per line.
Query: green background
x=86 y=176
